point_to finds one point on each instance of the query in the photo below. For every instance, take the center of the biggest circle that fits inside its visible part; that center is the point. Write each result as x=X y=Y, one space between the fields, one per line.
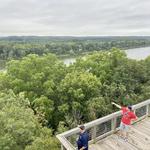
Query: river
x=136 y=53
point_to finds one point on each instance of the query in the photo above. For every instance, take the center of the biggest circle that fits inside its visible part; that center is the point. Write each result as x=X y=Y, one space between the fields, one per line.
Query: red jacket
x=127 y=116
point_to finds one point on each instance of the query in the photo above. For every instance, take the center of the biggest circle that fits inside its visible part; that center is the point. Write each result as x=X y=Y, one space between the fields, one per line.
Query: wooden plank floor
x=139 y=139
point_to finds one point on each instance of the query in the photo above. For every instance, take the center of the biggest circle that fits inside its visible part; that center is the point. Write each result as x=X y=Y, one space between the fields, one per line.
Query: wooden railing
x=101 y=127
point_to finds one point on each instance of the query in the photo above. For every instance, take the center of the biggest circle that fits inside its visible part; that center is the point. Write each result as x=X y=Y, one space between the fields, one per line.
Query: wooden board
x=139 y=139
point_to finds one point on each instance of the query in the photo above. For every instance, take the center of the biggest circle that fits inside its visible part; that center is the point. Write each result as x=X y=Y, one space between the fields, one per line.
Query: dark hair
x=130 y=107
x=82 y=127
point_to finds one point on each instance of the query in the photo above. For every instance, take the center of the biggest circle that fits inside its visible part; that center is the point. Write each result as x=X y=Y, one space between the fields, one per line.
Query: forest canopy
x=18 y=47
x=40 y=96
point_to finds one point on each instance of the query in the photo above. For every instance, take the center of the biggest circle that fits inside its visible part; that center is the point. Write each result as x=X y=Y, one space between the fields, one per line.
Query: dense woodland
x=18 y=47
x=40 y=96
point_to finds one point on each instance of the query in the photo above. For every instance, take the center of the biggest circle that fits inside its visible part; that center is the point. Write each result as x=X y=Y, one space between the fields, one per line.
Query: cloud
x=74 y=17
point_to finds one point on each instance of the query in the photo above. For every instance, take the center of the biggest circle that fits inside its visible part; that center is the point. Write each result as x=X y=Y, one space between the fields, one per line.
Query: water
x=136 y=53
x=69 y=61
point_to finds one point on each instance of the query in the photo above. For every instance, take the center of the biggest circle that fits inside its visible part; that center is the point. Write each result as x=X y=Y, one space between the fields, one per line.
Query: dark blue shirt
x=83 y=140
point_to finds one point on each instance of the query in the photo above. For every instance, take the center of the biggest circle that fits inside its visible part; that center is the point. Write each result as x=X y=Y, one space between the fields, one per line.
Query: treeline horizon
x=59 y=37
x=16 y=47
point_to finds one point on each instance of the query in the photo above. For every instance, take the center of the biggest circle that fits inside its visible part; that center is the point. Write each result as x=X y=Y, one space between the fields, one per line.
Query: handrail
x=90 y=124
x=93 y=124
x=65 y=142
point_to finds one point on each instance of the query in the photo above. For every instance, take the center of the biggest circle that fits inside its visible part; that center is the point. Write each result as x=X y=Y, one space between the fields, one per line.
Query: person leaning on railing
x=82 y=141
x=127 y=116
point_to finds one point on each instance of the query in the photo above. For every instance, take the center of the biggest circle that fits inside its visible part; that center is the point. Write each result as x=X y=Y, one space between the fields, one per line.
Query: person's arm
x=118 y=106
x=82 y=148
x=134 y=117
x=78 y=141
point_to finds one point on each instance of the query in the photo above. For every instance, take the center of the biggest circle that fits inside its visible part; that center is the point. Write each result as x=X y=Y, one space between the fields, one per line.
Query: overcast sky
x=74 y=17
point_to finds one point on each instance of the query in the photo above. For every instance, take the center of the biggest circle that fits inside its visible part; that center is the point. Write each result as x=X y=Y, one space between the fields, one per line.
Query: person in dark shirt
x=82 y=141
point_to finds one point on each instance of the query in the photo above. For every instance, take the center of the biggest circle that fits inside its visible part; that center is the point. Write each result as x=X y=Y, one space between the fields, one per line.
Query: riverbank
x=66 y=56
x=136 y=53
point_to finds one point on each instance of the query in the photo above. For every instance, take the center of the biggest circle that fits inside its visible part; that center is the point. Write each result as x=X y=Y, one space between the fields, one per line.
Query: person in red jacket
x=127 y=116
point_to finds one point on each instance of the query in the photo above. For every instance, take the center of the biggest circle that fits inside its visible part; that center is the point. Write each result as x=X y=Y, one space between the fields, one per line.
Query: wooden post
x=113 y=124
x=94 y=133
x=148 y=110
x=62 y=147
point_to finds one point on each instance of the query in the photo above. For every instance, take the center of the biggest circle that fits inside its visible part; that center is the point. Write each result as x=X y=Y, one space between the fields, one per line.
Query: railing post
x=148 y=110
x=62 y=147
x=94 y=133
x=113 y=124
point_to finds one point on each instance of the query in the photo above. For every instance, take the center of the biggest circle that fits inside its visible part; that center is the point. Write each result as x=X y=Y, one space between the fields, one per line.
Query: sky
x=74 y=17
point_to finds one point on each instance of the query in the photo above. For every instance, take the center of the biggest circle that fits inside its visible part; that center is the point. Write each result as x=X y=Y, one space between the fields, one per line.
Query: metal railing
x=101 y=127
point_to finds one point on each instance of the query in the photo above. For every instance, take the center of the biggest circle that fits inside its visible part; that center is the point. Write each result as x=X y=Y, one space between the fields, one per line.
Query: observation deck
x=103 y=132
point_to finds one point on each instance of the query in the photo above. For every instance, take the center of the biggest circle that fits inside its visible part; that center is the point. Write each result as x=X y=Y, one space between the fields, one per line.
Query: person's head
x=82 y=128
x=130 y=107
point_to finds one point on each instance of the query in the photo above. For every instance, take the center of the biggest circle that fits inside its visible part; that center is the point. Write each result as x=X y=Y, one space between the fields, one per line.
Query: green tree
x=38 y=77
x=18 y=125
x=97 y=107
x=75 y=90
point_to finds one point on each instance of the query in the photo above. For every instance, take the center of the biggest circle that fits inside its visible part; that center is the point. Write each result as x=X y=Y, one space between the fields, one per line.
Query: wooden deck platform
x=139 y=139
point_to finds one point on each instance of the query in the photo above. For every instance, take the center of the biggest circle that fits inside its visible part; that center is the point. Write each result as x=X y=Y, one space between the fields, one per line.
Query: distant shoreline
x=72 y=58
x=135 y=53
x=84 y=53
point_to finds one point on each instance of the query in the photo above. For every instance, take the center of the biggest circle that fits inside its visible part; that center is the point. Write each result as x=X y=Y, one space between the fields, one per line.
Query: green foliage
x=45 y=142
x=44 y=108
x=35 y=74
x=19 y=47
x=61 y=97
x=75 y=89
x=119 y=76
x=38 y=78
x=97 y=107
x=79 y=86
x=18 y=125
